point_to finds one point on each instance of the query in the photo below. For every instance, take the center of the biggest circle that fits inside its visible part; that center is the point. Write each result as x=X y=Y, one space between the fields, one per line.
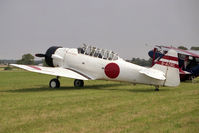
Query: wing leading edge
x=56 y=71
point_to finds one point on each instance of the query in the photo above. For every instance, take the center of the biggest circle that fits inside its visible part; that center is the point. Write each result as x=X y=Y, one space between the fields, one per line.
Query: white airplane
x=91 y=63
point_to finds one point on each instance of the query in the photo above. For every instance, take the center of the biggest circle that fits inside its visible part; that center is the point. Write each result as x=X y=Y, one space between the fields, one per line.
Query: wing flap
x=56 y=71
x=153 y=73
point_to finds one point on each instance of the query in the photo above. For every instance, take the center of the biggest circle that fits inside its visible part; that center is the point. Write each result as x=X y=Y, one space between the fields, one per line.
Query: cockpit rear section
x=97 y=52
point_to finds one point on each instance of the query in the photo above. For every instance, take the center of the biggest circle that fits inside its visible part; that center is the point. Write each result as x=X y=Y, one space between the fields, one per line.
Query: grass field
x=27 y=104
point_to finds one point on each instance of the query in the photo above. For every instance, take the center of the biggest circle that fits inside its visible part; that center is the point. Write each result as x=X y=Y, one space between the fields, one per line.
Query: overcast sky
x=124 y=26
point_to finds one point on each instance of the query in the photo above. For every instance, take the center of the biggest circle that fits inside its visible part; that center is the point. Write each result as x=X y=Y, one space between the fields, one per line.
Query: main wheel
x=54 y=83
x=78 y=83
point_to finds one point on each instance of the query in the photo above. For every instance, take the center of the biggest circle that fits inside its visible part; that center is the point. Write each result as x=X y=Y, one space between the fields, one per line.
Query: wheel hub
x=53 y=84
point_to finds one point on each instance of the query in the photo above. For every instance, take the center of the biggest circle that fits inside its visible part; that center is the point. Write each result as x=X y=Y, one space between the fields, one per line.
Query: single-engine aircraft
x=91 y=63
x=188 y=60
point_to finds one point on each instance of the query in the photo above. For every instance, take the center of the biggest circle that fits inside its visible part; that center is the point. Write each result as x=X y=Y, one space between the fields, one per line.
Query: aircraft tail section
x=168 y=64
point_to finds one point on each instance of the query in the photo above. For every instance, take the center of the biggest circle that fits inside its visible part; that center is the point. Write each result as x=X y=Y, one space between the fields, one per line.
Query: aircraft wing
x=181 y=51
x=56 y=71
x=153 y=73
x=187 y=52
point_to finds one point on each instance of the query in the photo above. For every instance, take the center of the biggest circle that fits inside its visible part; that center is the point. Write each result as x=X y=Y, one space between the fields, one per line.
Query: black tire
x=78 y=83
x=54 y=83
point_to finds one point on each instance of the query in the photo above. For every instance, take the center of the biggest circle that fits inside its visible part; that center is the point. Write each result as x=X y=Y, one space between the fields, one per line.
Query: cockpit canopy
x=97 y=52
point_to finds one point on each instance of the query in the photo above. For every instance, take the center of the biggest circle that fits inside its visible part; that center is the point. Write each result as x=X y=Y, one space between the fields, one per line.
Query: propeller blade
x=40 y=55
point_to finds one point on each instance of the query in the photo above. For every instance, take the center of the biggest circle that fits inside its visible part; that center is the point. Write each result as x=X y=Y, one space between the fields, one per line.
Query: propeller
x=49 y=55
x=40 y=55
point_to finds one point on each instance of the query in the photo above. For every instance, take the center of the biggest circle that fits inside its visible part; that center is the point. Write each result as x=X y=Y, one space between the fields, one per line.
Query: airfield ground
x=27 y=104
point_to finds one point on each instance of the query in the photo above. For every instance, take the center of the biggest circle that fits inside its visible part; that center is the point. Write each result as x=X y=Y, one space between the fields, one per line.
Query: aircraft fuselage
x=104 y=69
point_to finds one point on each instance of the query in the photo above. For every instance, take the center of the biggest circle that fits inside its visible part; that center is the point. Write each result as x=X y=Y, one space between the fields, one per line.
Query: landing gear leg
x=54 y=83
x=156 y=88
x=78 y=83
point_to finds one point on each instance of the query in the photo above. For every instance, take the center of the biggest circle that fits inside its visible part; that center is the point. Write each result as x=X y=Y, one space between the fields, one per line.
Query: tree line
x=28 y=59
x=185 y=48
x=141 y=62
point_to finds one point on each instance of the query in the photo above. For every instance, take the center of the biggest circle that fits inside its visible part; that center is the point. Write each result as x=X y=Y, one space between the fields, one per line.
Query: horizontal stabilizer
x=153 y=73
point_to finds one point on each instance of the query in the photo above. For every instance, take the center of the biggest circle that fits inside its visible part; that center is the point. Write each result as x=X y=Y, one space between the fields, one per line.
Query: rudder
x=169 y=65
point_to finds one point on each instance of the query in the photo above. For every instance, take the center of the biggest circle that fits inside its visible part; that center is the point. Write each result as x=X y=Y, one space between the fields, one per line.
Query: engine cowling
x=48 y=55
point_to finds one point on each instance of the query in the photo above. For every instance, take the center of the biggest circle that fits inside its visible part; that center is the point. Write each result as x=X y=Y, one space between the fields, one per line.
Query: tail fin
x=169 y=65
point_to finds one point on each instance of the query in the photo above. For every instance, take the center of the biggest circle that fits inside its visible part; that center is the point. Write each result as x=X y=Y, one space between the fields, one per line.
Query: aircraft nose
x=48 y=55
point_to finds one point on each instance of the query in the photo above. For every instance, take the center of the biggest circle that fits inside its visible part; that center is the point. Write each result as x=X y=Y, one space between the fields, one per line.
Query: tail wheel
x=78 y=83
x=54 y=83
x=156 y=88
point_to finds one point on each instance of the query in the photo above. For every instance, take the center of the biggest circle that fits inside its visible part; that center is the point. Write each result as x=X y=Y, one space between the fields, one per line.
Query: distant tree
x=27 y=59
x=141 y=62
x=194 y=48
x=182 y=47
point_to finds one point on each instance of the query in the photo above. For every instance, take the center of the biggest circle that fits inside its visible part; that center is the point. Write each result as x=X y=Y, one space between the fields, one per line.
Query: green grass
x=27 y=104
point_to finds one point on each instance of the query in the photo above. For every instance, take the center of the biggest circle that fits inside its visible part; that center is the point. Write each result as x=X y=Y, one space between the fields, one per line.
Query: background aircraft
x=188 y=60
x=91 y=63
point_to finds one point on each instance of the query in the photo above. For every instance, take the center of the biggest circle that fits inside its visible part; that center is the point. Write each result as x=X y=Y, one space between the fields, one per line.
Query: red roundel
x=112 y=70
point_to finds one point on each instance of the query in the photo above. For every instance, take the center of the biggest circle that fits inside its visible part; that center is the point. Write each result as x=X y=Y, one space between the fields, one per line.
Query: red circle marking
x=112 y=70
